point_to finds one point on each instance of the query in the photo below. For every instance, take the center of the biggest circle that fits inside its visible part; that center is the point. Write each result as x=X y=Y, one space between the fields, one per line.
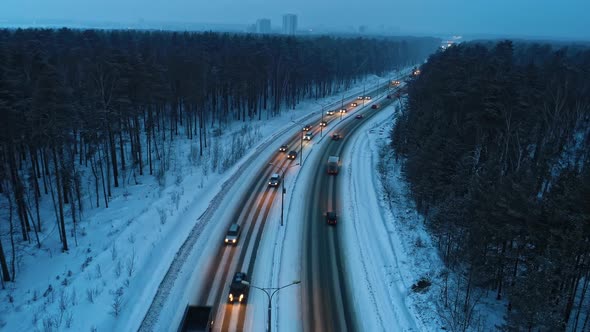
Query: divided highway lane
x=326 y=301
x=251 y=213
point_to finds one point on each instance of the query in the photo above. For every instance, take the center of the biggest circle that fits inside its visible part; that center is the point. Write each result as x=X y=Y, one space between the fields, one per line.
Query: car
x=395 y=83
x=308 y=136
x=238 y=290
x=307 y=127
x=292 y=155
x=343 y=110
x=331 y=218
x=354 y=104
x=367 y=97
x=360 y=97
x=275 y=180
x=330 y=112
x=323 y=123
x=283 y=148
x=233 y=234
x=375 y=106
x=359 y=116
x=336 y=136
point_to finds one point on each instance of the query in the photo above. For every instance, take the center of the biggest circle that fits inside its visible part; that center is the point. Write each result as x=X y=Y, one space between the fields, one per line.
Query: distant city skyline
x=289 y=24
x=524 y=18
x=263 y=25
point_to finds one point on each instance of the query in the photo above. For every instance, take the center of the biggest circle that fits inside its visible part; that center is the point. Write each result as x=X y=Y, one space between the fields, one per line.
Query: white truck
x=333 y=164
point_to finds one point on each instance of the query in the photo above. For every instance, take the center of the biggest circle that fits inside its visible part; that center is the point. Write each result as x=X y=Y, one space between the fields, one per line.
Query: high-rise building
x=251 y=28
x=263 y=25
x=289 y=24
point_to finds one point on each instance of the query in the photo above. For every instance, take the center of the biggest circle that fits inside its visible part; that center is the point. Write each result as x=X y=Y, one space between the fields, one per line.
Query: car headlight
x=234 y=241
x=226 y=241
x=231 y=297
x=241 y=297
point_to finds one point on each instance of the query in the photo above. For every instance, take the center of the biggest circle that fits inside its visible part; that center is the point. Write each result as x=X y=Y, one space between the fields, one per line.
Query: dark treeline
x=103 y=102
x=495 y=141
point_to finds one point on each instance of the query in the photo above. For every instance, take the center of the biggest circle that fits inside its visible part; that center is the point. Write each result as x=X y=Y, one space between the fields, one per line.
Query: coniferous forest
x=106 y=101
x=495 y=141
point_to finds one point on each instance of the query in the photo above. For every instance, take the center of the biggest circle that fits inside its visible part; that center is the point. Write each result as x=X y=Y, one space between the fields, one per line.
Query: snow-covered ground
x=123 y=252
x=377 y=260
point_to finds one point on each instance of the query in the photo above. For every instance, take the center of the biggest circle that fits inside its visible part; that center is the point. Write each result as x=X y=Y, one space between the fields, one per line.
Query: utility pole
x=322 y=124
x=301 y=150
x=283 y=190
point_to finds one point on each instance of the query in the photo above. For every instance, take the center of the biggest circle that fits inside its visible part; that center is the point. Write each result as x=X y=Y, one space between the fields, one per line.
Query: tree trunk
x=500 y=275
x=74 y=221
x=468 y=290
x=36 y=175
x=11 y=230
x=18 y=190
x=113 y=157
x=58 y=186
x=581 y=302
x=3 y=264
x=105 y=148
x=34 y=228
x=45 y=169
x=149 y=150
x=121 y=145
x=36 y=171
x=104 y=189
x=138 y=147
x=200 y=114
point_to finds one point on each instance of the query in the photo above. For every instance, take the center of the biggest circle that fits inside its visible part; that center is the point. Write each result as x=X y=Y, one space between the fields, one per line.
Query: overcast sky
x=540 y=18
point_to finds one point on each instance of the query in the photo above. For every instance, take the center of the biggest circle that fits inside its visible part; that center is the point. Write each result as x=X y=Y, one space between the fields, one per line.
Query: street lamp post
x=270 y=292
x=283 y=190
x=323 y=108
x=301 y=149
x=322 y=124
x=389 y=86
x=301 y=145
x=378 y=90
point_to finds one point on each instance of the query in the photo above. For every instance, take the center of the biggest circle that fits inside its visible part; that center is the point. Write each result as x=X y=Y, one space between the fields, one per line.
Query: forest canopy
x=495 y=141
x=88 y=106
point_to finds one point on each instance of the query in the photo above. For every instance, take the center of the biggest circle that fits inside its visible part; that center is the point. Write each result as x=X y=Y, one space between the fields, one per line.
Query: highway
x=323 y=288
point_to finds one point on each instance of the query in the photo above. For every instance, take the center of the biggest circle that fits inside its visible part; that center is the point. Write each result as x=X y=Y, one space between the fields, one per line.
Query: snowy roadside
x=388 y=248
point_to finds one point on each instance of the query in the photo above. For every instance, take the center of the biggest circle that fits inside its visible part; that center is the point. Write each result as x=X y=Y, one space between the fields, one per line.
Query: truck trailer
x=197 y=319
x=333 y=165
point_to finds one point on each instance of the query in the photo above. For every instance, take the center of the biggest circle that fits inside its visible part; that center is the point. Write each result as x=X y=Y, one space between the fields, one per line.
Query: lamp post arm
x=270 y=295
x=275 y=290
x=262 y=289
